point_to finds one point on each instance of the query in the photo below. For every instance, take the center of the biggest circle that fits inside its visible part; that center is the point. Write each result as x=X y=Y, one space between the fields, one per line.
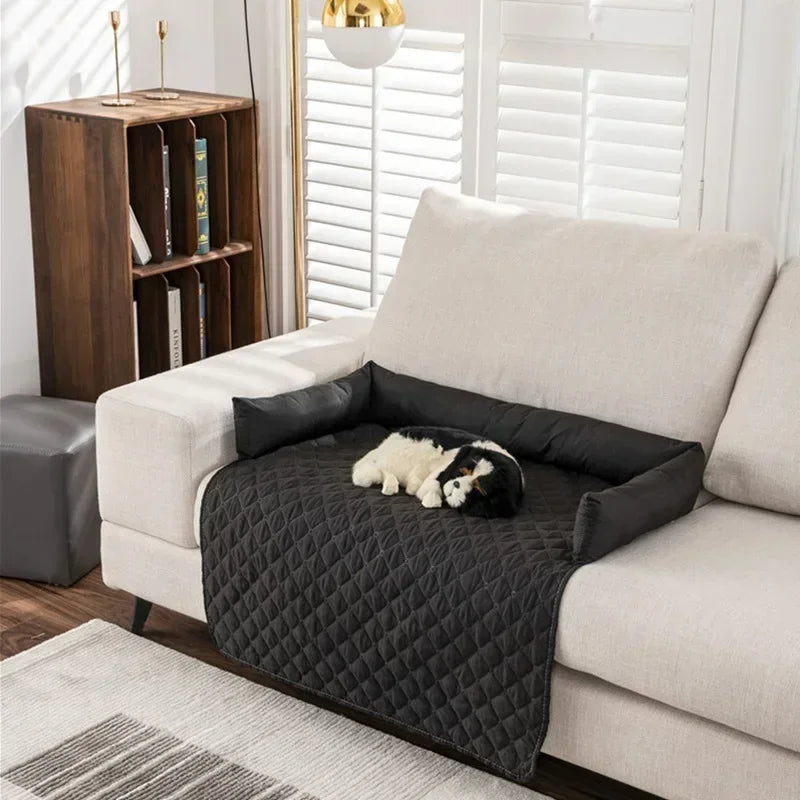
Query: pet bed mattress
x=442 y=624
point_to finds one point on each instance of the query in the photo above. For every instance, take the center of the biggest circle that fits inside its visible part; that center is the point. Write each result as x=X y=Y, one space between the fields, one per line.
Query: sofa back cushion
x=756 y=458
x=639 y=326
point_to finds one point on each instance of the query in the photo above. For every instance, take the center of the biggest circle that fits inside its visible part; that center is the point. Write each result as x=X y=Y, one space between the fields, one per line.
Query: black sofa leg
x=141 y=610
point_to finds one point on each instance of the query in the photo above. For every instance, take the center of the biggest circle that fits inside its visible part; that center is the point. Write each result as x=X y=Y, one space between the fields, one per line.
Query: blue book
x=201 y=171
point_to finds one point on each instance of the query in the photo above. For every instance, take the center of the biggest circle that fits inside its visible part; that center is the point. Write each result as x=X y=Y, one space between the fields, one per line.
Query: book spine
x=174 y=323
x=167 y=202
x=201 y=172
x=203 y=330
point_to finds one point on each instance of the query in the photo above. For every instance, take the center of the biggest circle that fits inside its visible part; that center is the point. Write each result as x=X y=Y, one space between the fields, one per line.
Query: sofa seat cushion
x=638 y=326
x=756 y=458
x=703 y=614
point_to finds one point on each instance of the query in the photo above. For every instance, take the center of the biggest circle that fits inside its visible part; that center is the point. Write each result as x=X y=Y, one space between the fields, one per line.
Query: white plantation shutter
x=585 y=108
x=591 y=110
x=374 y=140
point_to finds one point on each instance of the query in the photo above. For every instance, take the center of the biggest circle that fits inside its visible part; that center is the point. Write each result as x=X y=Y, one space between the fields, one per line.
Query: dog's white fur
x=399 y=461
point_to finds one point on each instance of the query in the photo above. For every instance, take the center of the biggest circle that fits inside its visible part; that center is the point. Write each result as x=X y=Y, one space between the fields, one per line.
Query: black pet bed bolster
x=654 y=479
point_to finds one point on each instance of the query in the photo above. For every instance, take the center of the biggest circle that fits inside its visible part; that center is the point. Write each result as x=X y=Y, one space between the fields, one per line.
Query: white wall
x=57 y=50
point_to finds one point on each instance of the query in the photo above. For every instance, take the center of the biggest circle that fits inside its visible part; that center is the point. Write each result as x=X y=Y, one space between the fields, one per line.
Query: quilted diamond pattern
x=442 y=623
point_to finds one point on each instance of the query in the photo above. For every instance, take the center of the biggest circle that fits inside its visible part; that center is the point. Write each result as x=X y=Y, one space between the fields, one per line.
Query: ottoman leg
x=141 y=610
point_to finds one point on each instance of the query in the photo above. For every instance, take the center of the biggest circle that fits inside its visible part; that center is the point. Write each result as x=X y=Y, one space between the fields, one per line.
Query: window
x=586 y=108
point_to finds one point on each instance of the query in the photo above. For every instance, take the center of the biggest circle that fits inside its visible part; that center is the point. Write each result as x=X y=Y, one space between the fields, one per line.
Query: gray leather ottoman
x=49 y=519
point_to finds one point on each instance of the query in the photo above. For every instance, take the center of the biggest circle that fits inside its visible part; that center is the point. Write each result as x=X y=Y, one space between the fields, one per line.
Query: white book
x=174 y=321
x=139 y=247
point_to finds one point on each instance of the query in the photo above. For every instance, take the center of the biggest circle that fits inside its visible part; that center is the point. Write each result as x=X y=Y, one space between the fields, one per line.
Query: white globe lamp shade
x=363 y=48
x=363 y=33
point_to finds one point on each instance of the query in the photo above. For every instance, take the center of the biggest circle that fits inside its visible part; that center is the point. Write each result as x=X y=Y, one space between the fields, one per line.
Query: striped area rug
x=100 y=714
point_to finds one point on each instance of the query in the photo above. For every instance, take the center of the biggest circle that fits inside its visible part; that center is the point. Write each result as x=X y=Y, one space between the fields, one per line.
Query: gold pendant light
x=363 y=33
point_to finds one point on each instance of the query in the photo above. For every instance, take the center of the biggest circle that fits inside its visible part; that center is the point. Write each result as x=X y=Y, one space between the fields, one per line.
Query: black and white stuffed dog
x=437 y=465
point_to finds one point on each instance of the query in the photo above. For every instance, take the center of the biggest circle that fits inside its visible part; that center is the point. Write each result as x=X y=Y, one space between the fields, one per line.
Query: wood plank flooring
x=31 y=613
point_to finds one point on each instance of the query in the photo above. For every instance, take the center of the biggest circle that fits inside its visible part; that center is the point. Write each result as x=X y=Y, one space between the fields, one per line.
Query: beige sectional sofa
x=678 y=656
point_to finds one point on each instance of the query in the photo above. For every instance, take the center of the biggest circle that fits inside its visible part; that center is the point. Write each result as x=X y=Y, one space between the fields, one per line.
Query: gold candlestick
x=161 y=28
x=117 y=101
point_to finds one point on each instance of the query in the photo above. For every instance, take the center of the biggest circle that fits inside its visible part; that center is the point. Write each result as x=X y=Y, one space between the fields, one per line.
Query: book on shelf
x=136 y=339
x=203 y=324
x=167 y=202
x=201 y=173
x=174 y=324
x=139 y=248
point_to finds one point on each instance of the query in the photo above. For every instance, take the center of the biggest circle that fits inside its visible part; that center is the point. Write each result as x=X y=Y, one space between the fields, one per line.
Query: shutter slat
x=553 y=169
x=349 y=238
x=339 y=215
x=339 y=155
x=413 y=80
x=387 y=265
x=514 y=119
x=390 y=245
x=651 y=87
x=339 y=276
x=338 y=134
x=397 y=206
x=649 y=205
x=638 y=133
x=330 y=293
x=409 y=144
x=339 y=176
x=421 y=124
x=339 y=114
x=636 y=156
x=637 y=180
x=406 y=186
x=330 y=71
x=340 y=256
x=339 y=195
x=323 y=312
x=394 y=225
x=342 y=94
x=421 y=167
x=559 y=102
x=539 y=145
x=424 y=104
x=537 y=189
x=663 y=112
x=540 y=77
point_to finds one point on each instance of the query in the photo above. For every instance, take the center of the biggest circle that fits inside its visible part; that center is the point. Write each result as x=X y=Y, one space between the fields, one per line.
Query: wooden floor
x=31 y=613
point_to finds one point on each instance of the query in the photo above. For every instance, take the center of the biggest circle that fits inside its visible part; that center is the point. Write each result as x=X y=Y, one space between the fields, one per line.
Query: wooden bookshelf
x=86 y=163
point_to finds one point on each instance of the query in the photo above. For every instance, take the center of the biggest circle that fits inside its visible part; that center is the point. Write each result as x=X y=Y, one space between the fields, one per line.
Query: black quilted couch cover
x=438 y=623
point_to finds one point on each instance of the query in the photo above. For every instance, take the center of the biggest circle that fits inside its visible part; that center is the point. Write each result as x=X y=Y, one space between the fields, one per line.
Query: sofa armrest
x=157 y=438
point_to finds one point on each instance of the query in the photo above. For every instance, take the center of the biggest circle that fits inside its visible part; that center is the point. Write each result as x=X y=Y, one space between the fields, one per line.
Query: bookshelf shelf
x=179 y=261
x=100 y=316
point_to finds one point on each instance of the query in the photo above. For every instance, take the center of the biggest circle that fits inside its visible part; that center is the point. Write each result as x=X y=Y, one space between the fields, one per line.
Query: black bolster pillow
x=616 y=516
x=264 y=424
